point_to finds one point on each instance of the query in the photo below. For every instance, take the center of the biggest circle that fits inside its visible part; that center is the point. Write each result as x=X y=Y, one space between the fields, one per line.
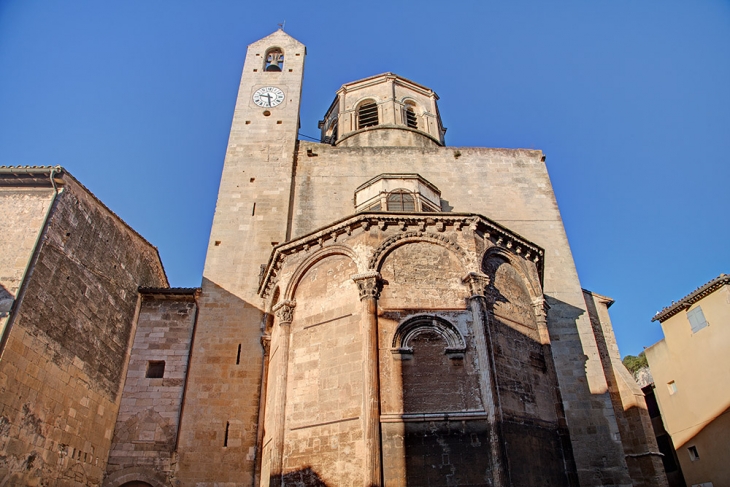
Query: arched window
x=274 y=60
x=401 y=200
x=367 y=115
x=411 y=117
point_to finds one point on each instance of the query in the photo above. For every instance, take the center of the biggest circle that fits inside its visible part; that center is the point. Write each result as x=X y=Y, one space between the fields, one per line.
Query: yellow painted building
x=691 y=370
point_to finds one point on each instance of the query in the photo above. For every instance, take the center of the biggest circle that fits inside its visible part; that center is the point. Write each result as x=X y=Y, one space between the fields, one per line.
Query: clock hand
x=269 y=97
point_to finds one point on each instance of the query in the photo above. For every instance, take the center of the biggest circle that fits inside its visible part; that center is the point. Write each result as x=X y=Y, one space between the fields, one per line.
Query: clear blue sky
x=630 y=101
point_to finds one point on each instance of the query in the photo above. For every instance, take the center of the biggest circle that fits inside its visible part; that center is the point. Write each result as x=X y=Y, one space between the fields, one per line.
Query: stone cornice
x=386 y=126
x=394 y=175
x=693 y=297
x=427 y=224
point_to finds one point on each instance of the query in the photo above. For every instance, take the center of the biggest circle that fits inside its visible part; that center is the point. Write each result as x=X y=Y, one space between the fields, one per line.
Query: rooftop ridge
x=696 y=295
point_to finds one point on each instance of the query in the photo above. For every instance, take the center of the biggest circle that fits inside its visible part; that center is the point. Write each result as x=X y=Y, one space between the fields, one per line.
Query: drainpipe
x=32 y=261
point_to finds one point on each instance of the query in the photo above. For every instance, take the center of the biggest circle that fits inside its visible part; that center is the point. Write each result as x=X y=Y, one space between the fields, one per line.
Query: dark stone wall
x=434 y=382
x=83 y=290
x=532 y=417
x=436 y=453
x=64 y=359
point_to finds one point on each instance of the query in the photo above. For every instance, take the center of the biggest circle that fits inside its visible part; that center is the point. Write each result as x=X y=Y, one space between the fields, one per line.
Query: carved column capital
x=540 y=308
x=369 y=284
x=284 y=311
x=477 y=282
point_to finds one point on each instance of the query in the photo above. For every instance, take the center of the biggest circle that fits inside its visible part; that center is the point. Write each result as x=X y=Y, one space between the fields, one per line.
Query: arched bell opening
x=274 y=60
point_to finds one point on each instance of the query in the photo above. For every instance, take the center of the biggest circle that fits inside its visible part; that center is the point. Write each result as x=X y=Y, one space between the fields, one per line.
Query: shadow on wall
x=565 y=316
x=530 y=422
x=703 y=457
x=304 y=477
x=632 y=417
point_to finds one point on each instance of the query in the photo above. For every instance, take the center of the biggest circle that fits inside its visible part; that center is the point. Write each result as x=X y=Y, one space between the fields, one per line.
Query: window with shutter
x=411 y=119
x=696 y=319
x=367 y=115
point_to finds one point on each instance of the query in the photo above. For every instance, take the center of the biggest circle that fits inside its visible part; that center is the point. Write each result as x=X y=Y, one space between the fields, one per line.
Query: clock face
x=268 y=96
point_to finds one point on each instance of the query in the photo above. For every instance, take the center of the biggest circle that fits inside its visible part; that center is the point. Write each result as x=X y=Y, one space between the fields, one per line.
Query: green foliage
x=634 y=363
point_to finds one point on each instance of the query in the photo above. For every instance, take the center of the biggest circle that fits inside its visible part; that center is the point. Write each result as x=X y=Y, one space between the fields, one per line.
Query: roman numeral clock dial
x=268 y=97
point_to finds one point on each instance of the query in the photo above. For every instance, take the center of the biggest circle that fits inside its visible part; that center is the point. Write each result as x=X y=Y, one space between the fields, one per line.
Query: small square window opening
x=155 y=369
x=693 y=454
x=672 y=387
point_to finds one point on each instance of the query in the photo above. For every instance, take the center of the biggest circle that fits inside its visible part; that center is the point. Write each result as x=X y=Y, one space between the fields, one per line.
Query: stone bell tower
x=219 y=427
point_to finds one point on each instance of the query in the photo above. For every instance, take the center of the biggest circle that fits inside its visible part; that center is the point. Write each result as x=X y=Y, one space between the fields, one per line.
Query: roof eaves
x=693 y=297
x=170 y=290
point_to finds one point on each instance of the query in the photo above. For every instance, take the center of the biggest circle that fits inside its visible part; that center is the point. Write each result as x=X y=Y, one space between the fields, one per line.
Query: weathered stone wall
x=23 y=212
x=62 y=367
x=513 y=188
x=145 y=435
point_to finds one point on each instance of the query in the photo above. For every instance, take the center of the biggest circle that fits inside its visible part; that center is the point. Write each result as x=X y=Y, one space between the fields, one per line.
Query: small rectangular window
x=672 y=387
x=693 y=455
x=155 y=369
x=696 y=319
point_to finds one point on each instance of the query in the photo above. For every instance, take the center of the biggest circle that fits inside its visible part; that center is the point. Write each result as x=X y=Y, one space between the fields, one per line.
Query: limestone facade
x=376 y=309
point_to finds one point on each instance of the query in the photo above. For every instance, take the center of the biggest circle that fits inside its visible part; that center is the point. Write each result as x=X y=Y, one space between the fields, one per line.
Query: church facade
x=376 y=309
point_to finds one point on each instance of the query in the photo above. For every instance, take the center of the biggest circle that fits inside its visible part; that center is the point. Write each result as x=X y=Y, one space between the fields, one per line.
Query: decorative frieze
x=432 y=227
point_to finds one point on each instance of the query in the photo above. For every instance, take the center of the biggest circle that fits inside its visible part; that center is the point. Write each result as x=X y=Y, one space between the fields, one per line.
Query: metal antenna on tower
x=281 y=26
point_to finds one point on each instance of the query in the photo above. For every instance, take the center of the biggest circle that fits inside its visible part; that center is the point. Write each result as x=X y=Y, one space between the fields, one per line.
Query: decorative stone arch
x=412 y=327
x=392 y=243
x=312 y=260
x=518 y=264
x=535 y=298
x=135 y=474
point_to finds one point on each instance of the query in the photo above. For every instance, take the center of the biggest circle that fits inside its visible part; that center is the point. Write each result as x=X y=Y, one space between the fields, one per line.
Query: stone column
x=478 y=284
x=266 y=344
x=369 y=285
x=284 y=314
